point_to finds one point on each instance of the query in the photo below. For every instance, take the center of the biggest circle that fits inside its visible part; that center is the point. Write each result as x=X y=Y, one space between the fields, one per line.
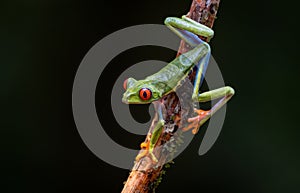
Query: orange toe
x=195 y=121
x=144 y=145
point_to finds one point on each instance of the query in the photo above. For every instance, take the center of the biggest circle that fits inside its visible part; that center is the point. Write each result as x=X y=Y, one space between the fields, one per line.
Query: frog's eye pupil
x=145 y=94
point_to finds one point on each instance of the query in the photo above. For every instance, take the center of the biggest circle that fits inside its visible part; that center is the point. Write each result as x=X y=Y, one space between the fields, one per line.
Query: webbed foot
x=146 y=151
x=195 y=122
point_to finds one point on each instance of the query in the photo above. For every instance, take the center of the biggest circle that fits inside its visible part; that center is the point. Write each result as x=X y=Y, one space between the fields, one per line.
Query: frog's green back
x=168 y=77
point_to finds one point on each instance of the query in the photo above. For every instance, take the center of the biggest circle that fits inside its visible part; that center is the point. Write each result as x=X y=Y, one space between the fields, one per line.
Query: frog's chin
x=125 y=101
x=135 y=102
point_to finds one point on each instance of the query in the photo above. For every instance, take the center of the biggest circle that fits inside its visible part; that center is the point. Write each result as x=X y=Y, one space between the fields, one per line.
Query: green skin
x=168 y=78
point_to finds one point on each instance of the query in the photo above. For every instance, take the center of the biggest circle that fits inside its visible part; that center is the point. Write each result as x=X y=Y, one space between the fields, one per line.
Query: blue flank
x=193 y=40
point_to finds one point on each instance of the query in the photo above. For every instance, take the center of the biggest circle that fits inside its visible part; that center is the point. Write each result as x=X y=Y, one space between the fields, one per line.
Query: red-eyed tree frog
x=165 y=81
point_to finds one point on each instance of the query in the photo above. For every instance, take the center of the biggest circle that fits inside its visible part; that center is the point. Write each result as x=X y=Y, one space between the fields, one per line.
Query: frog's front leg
x=150 y=144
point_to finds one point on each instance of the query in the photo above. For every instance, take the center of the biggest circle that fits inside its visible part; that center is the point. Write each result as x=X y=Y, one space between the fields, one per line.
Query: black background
x=43 y=43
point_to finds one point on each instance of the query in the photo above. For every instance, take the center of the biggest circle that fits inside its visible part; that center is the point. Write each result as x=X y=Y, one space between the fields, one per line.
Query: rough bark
x=146 y=175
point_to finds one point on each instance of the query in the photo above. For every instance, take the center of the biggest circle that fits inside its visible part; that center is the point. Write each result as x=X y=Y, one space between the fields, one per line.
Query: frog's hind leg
x=202 y=66
x=225 y=93
x=188 y=29
x=195 y=122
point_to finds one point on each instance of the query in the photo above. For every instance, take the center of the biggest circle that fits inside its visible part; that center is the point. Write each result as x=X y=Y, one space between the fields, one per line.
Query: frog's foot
x=196 y=122
x=145 y=146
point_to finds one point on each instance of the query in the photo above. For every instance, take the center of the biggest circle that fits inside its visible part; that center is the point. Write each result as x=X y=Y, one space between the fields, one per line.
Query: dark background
x=43 y=43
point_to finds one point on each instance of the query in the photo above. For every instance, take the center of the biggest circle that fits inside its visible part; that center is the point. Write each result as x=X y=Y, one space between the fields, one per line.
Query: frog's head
x=139 y=92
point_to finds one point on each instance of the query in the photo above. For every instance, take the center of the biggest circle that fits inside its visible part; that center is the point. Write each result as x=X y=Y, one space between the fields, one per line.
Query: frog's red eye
x=125 y=84
x=145 y=94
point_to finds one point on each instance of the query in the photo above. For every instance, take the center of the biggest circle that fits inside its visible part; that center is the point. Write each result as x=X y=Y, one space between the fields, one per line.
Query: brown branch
x=145 y=174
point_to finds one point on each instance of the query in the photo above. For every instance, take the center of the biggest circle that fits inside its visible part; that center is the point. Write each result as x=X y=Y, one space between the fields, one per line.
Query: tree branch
x=146 y=175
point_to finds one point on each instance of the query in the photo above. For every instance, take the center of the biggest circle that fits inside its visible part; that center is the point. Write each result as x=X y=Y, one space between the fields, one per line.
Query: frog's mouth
x=125 y=101
x=137 y=102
